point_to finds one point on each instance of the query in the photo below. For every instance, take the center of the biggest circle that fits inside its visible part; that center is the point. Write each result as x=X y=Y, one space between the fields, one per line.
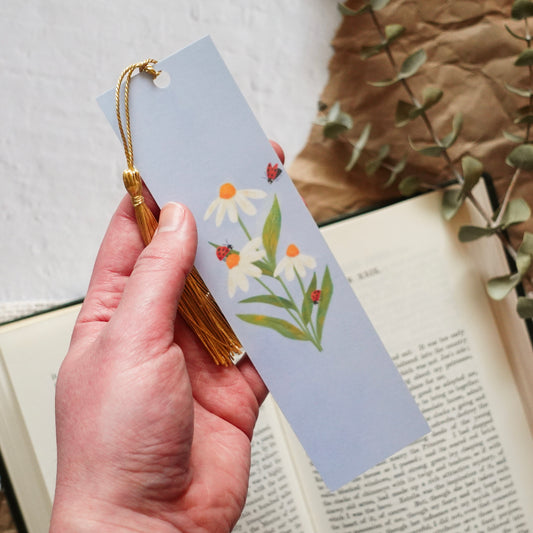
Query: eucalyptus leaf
x=405 y=112
x=457 y=125
x=521 y=157
x=499 y=288
x=281 y=326
x=452 y=200
x=378 y=4
x=472 y=170
x=399 y=167
x=370 y=51
x=516 y=212
x=521 y=37
x=524 y=115
x=513 y=138
x=409 y=185
x=524 y=307
x=384 y=83
x=337 y=122
x=372 y=166
x=526 y=93
x=430 y=96
x=412 y=63
x=521 y=9
x=358 y=146
x=393 y=31
x=433 y=150
x=525 y=58
x=323 y=304
x=526 y=247
x=472 y=233
x=353 y=12
x=271 y=231
x=522 y=262
x=270 y=299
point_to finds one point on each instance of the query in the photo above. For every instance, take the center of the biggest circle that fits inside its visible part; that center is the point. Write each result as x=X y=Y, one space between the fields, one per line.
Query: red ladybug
x=315 y=296
x=223 y=251
x=272 y=172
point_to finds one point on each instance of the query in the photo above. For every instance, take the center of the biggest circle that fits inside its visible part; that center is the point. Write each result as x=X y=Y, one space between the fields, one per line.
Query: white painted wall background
x=60 y=163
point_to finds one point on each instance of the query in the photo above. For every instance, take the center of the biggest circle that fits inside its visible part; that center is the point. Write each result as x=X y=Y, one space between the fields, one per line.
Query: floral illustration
x=303 y=307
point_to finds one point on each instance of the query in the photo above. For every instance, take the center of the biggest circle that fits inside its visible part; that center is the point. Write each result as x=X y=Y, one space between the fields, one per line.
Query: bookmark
x=267 y=266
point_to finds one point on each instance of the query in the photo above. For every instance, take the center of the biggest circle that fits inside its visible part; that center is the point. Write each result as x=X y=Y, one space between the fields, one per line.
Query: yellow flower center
x=227 y=191
x=292 y=250
x=232 y=260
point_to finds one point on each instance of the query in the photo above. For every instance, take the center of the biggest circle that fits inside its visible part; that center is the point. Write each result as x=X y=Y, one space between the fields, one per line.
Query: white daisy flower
x=229 y=199
x=240 y=266
x=294 y=261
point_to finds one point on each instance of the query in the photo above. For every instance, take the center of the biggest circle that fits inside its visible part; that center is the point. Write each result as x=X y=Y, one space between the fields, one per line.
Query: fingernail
x=170 y=217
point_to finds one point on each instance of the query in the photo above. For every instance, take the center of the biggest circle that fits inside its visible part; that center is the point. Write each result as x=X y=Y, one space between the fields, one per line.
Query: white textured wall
x=61 y=165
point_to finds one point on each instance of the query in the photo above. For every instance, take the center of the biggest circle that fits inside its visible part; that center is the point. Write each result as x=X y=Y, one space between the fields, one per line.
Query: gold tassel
x=197 y=306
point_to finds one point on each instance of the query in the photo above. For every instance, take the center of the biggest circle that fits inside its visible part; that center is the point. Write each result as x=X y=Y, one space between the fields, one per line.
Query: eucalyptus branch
x=512 y=211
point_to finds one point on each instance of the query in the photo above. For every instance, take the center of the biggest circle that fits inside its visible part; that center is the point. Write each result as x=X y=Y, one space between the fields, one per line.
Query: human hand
x=150 y=433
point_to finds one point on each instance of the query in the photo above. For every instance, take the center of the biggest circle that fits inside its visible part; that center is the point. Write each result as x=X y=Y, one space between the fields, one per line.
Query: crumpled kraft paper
x=470 y=56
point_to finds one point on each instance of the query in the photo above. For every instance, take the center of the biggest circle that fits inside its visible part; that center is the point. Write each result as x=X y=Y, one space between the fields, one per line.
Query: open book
x=424 y=293
x=464 y=363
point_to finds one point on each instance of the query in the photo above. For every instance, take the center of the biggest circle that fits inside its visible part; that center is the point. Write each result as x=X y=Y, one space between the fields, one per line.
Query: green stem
x=244 y=229
x=312 y=337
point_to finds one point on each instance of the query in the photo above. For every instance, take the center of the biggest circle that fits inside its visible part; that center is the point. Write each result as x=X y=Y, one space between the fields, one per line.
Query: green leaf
x=281 y=326
x=266 y=269
x=517 y=211
x=472 y=233
x=457 y=125
x=513 y=138
x=472 y=170
x=337 y=122
x=499 y=288
x=522 y=9
x=370 y=51
x=378 y=4
x=405 y=112
x=525 y=58
x=358 y=146
x=524 y=115
x=307 y=304
x=372 y=166
x=399 y=167
x=523 y=262
x=452 y=200
x=352 y=12
x=433 y=150
x=270 y=299
x=412 y=63
x=521 y=37
x=323 y=304
x=393 y=31
x=526 y=247
x=526 y=93
x=524 y=307
x=521 y=157
x=384 y=83
x=430 y=96
x=271 y=231
x=409 y=186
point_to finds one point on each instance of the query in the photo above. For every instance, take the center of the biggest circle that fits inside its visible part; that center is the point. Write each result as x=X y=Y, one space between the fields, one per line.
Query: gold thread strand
x=197 y=306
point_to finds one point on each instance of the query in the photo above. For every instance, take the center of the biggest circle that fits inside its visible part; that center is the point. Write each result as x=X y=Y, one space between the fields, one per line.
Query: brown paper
x=470 y=56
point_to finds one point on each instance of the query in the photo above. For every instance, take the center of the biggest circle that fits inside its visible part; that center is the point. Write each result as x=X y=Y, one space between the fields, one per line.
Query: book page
x=274 y=503
x=474 y=471
x=31 y=353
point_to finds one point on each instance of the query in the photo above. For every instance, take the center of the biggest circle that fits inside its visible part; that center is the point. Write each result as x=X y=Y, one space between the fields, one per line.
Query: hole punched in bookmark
x=197 y=306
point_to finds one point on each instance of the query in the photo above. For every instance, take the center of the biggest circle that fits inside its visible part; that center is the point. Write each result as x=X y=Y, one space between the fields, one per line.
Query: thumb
x=154 y=288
